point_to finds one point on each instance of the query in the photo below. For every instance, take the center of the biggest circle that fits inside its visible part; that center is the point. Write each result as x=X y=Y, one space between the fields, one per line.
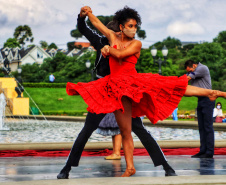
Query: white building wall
x=28 y=60
x=32 y=57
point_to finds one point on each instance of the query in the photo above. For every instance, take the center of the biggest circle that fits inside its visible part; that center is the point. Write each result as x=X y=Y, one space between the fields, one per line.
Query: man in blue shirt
x=199 y=76
x=51 y=78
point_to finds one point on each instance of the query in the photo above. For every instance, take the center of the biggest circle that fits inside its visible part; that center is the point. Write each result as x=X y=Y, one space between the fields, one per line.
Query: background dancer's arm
x=91 y=35
x=101 y=27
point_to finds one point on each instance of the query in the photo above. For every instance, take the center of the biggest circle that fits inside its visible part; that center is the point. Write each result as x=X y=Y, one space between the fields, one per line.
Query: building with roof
x=34 y=54
x=17 y=56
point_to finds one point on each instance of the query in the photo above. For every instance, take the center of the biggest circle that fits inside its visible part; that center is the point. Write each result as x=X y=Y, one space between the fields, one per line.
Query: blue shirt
x=51 y=78
x=201 y=77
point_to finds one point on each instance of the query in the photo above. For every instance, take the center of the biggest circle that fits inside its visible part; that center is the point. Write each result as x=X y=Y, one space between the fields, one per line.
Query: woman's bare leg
x=124 y=121
x=197 y=91
x=117 y=142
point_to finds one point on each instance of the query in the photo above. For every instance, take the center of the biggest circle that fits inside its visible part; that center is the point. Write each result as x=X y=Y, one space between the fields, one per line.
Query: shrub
x=45 y=85
x=65 y=113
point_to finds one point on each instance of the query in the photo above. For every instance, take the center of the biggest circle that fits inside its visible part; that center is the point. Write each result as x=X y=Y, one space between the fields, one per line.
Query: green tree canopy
x=169 y=42
x=43 y=44
x=52 y=45
x=11 y=43
x=221 y=37
x=23 y=34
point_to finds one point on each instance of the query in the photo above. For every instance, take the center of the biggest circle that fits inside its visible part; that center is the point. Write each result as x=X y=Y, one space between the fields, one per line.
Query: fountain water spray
x=2 y=112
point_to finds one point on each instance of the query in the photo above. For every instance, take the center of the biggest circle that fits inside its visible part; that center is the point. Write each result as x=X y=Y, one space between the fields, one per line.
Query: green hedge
x=65 y=113
x=45 y=85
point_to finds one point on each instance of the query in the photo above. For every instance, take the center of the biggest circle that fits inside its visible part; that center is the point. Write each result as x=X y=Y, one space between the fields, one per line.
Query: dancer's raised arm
x=99 y=25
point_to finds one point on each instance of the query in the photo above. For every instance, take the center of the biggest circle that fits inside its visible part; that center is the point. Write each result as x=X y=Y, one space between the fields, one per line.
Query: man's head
x=190 y=66
x=113 y=26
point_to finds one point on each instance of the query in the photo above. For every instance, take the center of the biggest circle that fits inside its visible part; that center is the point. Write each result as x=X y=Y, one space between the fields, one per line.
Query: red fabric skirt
x=152 y=95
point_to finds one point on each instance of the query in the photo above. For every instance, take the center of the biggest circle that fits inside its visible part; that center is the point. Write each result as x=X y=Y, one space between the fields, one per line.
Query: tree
x=76 y=34
x=52 y=45
x=186 y=48
x=221 y=37
x=141 y=34
x=171 y=43
x=71 y=46
x=43 y=44
x=11 y=43
x=23 y=34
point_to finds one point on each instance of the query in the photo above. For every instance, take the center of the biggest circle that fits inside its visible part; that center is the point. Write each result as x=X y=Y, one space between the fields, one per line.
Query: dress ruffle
x=152 y=95
x=108 y=132
x=108 y=126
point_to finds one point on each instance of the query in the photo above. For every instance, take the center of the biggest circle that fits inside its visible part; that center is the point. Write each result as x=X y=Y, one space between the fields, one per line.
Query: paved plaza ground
x=96 y=170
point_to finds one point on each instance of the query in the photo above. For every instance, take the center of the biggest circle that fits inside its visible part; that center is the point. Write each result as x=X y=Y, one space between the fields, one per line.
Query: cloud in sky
x=181 y=28
x=53 y=20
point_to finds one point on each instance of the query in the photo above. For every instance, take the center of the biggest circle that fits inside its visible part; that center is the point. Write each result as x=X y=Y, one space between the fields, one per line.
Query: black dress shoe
x=206 y=156
x=170 y=172
x=197 y=155
x=63 y=175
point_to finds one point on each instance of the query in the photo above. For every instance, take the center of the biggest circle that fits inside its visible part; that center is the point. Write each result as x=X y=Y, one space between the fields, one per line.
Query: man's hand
x=84 y=11
x=189 y=78
x=105 y=51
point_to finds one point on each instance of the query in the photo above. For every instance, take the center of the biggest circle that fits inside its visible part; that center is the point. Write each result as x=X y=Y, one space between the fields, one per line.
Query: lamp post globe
x=88 y=64
x=164 y=51
x=19 y=70
x=159 y=61
x=153 y=51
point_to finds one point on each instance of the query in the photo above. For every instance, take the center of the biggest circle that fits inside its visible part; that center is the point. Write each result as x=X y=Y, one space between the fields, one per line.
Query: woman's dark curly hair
x=122 y=16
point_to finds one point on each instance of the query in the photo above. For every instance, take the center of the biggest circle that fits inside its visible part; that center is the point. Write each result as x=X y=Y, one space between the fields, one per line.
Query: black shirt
x=98 y=42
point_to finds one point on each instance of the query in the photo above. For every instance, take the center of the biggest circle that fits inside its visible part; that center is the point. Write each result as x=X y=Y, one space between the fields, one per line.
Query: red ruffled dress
x=152 y=95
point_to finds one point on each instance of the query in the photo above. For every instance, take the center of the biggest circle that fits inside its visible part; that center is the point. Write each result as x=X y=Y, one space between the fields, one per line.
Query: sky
x=53 y=20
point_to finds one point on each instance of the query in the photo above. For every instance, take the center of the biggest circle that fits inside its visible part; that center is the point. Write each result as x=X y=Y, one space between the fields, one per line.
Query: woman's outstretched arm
x=197 y=91
x=132 y=49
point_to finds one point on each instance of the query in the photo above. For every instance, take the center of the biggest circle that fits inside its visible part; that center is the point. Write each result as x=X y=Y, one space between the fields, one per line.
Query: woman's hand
x=105 y=51
x=84 y=11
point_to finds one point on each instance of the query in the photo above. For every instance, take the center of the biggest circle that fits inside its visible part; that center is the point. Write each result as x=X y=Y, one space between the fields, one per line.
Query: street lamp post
x=88 y=64
x=159 y=61
x=6 y=69
x=19 y=89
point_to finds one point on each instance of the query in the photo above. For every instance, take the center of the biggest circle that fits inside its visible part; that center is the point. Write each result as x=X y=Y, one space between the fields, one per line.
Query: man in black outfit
x=93 y=120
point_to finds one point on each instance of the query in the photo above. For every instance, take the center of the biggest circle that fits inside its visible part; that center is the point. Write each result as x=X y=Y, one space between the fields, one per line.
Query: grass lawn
x=47 y=99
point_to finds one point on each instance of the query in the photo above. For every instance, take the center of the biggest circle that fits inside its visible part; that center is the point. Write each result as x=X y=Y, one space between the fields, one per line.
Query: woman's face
x=129 y=28
x=131 y=24
x=218 y=106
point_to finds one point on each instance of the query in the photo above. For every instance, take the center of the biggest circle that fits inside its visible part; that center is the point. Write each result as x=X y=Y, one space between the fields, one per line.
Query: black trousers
x=91 y=124
x=205 y=122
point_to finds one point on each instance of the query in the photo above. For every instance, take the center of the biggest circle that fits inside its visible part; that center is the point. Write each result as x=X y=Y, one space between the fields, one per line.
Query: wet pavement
x=94 y=170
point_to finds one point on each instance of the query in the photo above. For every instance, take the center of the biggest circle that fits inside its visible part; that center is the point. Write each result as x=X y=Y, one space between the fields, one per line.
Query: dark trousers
x=205 y=122
x=91 y=124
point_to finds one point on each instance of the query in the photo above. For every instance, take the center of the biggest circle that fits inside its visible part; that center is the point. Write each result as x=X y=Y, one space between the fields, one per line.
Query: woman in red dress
x=126 y=92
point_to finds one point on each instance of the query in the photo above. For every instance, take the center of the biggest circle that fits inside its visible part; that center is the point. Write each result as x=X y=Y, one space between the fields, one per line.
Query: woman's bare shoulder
x=136 y=42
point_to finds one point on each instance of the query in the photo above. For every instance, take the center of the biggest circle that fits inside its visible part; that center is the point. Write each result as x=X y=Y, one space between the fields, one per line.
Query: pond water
x=65 y=131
